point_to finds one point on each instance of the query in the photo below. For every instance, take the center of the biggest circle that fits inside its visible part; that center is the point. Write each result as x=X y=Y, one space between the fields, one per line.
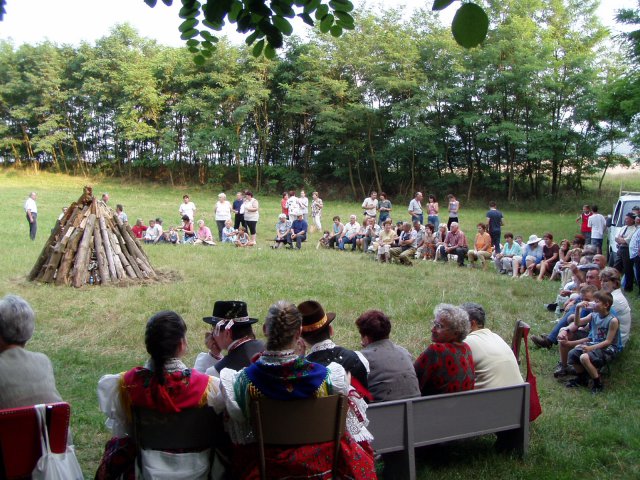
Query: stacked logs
x=91 y=245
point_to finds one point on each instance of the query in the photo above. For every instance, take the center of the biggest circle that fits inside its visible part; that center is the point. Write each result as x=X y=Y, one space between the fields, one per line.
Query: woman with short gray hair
x=446 y=366
x=26 y=378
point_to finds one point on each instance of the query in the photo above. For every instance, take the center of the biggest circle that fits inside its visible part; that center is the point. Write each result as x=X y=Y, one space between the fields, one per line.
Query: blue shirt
x=634 y=244
x=299 y=226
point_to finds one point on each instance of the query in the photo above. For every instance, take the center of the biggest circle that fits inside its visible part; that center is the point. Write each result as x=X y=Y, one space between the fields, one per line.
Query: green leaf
x=236 y=8
x=189 y=11
x=322 y=11
x=346 y=26
x=441 y=4
x=211 y=25
x=326 y=23
x=207 y=53
x=208 y=45
x=306 y=18
x=341 y=5
x=167 y=2
x=336 y=31
x=257 y=48
x=269 y=52
x=207 y=36
x=151 y=3
x=345 y=17
x=282 y=24
x=189 y=34
x=312 y=6
x=193 y=49
x=470 y=25
x=198 y=60
x=193 y=42
x=252 y=38
x=188 y=24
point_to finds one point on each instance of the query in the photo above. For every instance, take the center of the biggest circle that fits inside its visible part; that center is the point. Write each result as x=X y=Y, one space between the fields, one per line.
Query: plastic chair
x=299 y=422
x=20 y=438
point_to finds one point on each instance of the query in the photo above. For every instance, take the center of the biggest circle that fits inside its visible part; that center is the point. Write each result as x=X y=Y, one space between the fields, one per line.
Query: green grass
x=95 y=330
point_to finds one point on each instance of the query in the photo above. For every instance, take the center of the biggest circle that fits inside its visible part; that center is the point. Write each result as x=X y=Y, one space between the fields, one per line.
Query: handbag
x=535 y=409
x=54 y=466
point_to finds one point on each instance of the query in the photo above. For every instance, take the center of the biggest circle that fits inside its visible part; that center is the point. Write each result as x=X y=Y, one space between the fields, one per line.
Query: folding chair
x=299 y=422
x=20 y=438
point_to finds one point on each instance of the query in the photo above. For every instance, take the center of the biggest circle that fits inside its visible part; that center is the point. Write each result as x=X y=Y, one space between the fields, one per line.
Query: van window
x=616 y=215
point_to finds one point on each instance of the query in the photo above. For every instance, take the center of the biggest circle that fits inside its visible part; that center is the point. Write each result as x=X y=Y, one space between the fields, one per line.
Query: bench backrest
x=20 y=438
x=420 y=421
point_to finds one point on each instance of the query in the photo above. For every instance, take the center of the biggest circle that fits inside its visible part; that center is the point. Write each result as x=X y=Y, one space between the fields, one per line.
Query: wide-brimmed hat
x=533 y=239
x=229 y=313
x=314 y=317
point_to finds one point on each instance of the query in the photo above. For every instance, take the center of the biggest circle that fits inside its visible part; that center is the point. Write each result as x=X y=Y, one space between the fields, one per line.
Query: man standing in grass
x=370 y=206
x=415 y=208
x=187 y=207
x=495 y=221
x=31 y=209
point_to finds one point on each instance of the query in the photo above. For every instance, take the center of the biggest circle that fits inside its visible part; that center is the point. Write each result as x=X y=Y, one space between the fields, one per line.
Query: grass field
x=95 y=330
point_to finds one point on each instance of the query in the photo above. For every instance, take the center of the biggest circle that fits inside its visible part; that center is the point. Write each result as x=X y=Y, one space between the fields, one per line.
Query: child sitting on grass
x=600 y=347
x=242 y=239
x=228 y=232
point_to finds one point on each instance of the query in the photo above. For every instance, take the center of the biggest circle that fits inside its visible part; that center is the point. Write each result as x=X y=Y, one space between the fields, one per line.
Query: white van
x=625 y=203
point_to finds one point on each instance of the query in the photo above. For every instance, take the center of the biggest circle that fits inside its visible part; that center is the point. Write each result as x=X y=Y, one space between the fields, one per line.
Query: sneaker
x=541 y=341
x=560 y=371
x=551 y=306
x=579 y=381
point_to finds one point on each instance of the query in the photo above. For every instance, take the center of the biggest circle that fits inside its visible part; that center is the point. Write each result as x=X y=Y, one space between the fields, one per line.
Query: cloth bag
x=54 y=466
x=535 y=409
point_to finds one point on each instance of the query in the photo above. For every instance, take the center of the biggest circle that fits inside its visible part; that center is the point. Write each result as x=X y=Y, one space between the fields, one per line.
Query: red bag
x=535 y=409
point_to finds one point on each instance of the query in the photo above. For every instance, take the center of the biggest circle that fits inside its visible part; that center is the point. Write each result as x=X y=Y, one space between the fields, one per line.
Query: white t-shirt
x=223 y=210
x=30 y=206
x=188 y=209
x=598 y=225
x=494 y=362
x=251 y=216
x=303 y=205
x=415 y=207
x=293 y=206
x=370 y=206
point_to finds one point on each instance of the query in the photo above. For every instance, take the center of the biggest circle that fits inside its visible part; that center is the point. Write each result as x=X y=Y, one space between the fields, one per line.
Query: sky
x=74 y=21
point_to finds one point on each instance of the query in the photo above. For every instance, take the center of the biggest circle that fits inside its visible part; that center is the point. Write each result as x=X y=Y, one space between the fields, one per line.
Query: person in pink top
x=204 y=235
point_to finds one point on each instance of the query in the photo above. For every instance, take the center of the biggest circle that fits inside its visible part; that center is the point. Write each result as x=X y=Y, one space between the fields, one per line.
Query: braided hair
x=165 y=330
x=282 y=324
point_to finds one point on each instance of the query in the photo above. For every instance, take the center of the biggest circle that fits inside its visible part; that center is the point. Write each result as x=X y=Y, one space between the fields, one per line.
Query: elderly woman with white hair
x=222 y=213
x=446 y=366
x=204 y=235
x=26 y=378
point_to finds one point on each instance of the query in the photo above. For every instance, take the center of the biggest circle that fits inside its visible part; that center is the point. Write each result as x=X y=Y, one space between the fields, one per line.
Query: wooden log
x=107 y=248
x=83 y=255
x=101 y=257
x=62 y=275
x=130 y=259
x=116 y=255
x=50 y=269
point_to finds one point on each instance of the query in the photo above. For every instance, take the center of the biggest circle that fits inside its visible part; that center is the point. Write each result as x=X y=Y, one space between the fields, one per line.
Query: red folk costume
x=445 y=368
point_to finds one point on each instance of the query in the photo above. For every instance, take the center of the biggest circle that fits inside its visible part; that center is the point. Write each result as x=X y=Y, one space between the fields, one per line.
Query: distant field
x=95 y=330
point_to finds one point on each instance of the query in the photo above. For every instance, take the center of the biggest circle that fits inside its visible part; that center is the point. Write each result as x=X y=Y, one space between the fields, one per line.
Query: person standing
x=292 y=205
x=598 y=224
x=384 y=207
x=495 y=221
x=432 y=212
x=303 y=205
x=415 y=208
x=222 y=213
x=251 y=214
x=283 y=204
x=454 y=207
x=124 y=218
x=187 y=207
x=370 y=206
x=31 y=209
x=623 y=260
x=583 y=218
x=316 y=210
x=238 y=210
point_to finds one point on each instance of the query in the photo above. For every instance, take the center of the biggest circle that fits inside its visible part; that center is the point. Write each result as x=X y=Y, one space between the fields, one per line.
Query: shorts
x=598 y=358
x=251 y=226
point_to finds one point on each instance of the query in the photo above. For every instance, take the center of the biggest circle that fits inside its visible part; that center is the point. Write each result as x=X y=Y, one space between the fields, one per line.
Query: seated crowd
x=299 y=359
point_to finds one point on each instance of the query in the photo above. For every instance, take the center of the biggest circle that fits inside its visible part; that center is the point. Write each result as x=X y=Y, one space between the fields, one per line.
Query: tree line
x=395 y=105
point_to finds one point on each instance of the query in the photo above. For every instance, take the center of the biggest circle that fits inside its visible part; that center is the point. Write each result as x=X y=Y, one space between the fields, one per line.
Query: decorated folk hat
x=314 y=317
x=227 y=313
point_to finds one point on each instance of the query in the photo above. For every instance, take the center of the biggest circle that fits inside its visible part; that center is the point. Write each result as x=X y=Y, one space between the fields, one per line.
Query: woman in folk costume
x=164 y=384
x=280 y=373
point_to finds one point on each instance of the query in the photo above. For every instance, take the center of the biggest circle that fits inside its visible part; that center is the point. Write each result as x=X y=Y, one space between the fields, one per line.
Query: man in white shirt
x=31 y=210
x=370 y=206
x=154 y=232
x=415 y=208
x=494 y=363
x=187 y=207
x=598 y=224
x=349 y=234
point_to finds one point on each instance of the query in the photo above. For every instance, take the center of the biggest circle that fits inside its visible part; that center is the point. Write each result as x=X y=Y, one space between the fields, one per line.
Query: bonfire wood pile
x=91 y=245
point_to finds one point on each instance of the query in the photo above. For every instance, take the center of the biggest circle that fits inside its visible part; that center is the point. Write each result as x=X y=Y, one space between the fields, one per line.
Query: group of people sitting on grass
x=298 y=360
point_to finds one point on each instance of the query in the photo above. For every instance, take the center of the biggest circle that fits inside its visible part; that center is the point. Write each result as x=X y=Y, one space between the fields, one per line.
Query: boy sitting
x=600 y=347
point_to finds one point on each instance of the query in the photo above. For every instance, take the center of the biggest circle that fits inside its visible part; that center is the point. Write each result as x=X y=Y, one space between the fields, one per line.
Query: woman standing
x=281 y=374
x=222 y=213
x=432 y=212
x=316 y=210
x=303 y=206
x=384 y=207
x=251 y=214
x=454 y=207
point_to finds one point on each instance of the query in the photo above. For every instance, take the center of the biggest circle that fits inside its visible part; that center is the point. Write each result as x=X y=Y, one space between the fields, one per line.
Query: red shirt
x=585 y=222
x=138 y=230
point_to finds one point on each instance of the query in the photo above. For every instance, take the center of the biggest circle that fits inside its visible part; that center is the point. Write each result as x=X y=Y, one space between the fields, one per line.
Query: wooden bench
x=403 y=425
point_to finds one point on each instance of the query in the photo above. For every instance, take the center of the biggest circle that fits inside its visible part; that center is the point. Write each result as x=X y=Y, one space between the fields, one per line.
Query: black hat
x=313 y=316
x=631 y=215
x=225 y=311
